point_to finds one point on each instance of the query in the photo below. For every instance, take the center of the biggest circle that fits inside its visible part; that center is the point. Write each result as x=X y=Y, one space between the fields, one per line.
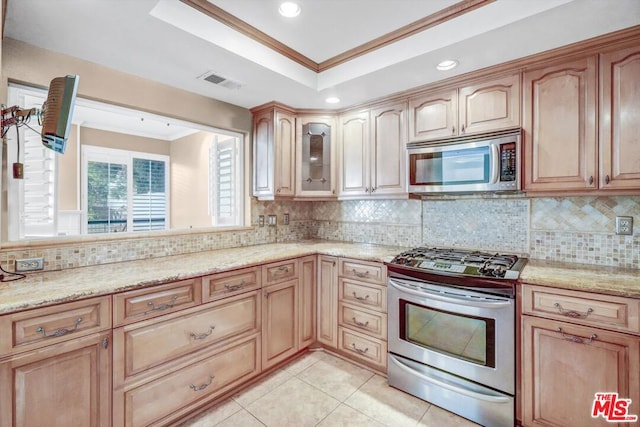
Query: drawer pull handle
x=202 y=386
x=283 y=269
x=362 y=325
x=202 y=336
x=231 y=288
x=162 y=306
x=577 y=339
x=59 y=332
x=366 y=297
x=359 y=273
x=572 y=313
x=359 y=350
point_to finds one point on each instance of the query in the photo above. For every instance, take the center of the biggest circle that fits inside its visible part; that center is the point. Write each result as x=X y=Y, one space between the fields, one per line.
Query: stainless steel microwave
x=474 y=164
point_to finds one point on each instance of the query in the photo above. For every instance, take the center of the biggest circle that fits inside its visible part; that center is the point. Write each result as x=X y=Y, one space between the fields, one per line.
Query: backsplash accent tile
x=374 y=233
x=488 y=224
x=371 y=211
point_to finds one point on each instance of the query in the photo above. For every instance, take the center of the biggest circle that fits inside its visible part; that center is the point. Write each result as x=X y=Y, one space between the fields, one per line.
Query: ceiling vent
x=212 y=77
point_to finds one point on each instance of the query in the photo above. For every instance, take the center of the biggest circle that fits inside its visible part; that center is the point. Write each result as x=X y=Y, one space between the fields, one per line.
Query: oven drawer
x=363 y=320
x=372 y=272
x=363 y=347
x=363 y=294
x=605 y=311
x=223 y=285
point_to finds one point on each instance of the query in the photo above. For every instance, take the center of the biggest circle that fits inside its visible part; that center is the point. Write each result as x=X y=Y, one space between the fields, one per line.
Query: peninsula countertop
x=51 y=287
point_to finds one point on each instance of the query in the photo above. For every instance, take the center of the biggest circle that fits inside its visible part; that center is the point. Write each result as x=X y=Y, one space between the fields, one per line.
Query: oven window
x=464 y=337
x=455 y=167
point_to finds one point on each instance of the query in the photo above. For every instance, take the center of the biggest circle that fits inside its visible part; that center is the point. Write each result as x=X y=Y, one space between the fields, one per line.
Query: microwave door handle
x=495 y=164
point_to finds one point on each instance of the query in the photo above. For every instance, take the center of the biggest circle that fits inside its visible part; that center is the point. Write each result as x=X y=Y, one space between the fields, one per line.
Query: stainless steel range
x=452 y=330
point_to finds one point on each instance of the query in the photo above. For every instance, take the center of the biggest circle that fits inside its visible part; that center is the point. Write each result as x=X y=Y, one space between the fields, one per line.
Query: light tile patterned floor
x=320 y=389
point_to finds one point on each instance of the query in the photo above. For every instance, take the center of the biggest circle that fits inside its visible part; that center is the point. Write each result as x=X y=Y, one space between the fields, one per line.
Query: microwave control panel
x=508 y=163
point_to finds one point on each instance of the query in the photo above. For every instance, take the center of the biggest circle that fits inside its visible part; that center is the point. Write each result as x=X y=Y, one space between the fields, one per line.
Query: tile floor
x=320 y=389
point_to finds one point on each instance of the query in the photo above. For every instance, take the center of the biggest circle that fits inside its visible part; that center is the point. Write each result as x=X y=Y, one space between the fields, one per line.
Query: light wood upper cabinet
x=274 y=153
x=560 y=126
x=315 y=157
x=482 y=107
x=490 y=105
x=372 y=155
x=433 y=115
x=620 y=119
x=66 y=384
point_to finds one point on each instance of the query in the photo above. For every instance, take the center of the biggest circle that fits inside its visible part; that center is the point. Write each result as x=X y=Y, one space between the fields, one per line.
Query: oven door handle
x=453 y=298
x=452 y=387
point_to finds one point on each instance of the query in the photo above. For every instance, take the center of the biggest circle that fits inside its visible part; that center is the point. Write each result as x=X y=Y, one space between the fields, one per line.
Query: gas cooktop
x=461 y=262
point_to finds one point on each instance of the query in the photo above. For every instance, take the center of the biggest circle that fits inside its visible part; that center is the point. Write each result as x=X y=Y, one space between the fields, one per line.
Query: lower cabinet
x=280 y=322
x=307 y=302
x=67 y=384
x=328 y=301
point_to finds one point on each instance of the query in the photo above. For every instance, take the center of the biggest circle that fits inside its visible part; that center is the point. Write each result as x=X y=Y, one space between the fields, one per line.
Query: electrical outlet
x=260 y=220
x=271 y=220
x=285 y=219
x=29 y=264
x=624 y=225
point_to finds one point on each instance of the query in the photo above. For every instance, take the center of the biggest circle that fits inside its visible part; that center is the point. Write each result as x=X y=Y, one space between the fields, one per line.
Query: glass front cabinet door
x=316 y=156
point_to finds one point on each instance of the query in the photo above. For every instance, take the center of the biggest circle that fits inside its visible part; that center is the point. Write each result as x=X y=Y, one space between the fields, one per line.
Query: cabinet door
x=315 y=153
x=284 y=154
x=388 y=153
x=328 y=301
x=433 y=115
x=354 y=154
x=491 y=105
x=280 y=322
x=620 y=119
x=307 y=303
x=263 y=161
x=565 y=365
x=66 y=384
x=560 y=127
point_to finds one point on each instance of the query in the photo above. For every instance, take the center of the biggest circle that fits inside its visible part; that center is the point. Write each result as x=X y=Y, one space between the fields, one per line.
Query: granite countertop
x=39 y=289
x=582 y=277
x=67 y=285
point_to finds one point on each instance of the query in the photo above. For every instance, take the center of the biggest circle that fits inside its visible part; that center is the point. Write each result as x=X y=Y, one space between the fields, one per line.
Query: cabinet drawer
x=363 y=347
x=150 y=343
x=372 y=272
x=154 y=301
x=279 y=271
x=26 y=330
x=361 y=319
x=201 y=379
x=230 y=283
x=363 y=294
x=606 y=311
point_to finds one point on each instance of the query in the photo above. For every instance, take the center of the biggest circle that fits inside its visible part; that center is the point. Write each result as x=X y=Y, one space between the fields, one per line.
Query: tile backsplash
x=569 y=229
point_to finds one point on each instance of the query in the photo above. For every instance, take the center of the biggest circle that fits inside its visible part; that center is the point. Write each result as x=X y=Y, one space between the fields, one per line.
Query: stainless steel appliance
x=451 y=330
x=484 y=163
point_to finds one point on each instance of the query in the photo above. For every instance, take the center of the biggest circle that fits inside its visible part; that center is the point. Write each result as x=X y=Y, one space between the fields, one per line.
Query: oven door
x=466 y=333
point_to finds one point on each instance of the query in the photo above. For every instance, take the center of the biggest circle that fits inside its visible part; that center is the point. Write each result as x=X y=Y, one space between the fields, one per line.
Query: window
x=124 y=190
x=225 y=181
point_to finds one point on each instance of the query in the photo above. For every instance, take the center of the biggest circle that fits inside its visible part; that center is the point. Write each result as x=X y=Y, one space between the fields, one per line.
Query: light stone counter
x=581 y=277
x=66 y=285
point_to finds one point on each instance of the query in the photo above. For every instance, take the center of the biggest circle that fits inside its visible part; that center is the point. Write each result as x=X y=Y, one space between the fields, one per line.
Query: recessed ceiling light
x=447 y=65
x=332 y=100
x=289 y=9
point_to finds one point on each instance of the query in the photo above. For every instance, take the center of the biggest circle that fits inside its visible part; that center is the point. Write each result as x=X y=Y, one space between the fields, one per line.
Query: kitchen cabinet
x=373 y=153
x=280 y=303
x=315 y=156
x=560 y=126
x=274 y=152
x=570 y=353
x=484 y=106
x=362 y=312
x=307 y=301
x=327 y=301
x=58 y=371
x=620 y=119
